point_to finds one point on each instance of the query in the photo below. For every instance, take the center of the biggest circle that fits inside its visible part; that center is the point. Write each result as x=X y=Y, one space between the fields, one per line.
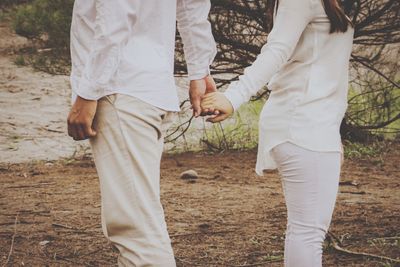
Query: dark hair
x=338 y=19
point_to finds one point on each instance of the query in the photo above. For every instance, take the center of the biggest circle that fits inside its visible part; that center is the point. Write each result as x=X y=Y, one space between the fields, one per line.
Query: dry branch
x=12 y=242
x=334 y=242
x=203 y=233
x=263 y=263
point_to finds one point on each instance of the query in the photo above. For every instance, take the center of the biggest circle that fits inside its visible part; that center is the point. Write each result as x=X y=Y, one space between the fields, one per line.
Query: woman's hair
x=338 y=19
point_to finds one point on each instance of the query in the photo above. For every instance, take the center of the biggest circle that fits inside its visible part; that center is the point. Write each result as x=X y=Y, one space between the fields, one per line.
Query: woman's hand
x=218 y=104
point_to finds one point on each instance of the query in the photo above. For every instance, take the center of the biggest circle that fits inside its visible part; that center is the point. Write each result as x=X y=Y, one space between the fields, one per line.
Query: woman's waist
x=305 y=102
x=322 y=136
x=281 y=114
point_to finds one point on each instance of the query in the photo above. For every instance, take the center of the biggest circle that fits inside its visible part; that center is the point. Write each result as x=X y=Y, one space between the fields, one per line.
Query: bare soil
x=34 y=106
x=50 y=213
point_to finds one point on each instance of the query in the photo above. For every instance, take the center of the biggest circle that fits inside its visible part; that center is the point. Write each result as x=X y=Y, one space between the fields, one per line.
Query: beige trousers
x=127 y=152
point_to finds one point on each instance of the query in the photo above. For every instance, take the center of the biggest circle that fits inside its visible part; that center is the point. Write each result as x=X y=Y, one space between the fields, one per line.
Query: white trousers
x=127 y=152
x=310 y=183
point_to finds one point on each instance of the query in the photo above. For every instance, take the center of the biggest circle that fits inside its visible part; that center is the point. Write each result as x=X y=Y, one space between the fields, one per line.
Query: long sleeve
x=198 y=41
x=291 y=19
x=113 y=23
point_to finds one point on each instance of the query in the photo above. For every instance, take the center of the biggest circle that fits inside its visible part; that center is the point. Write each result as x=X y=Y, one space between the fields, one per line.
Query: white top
x=127 y=47
x=306 y=69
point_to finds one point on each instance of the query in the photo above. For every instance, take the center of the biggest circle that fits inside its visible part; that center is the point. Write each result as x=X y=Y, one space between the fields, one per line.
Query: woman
x=305 y=64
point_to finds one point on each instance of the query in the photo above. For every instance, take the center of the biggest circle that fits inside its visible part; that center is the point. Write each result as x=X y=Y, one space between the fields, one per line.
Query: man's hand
x=80 y=119
x=199 y=88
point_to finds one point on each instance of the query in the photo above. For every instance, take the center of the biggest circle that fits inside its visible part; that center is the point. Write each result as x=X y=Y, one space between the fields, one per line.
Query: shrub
x=7 y=3
x=47 y=24
x=46 y=20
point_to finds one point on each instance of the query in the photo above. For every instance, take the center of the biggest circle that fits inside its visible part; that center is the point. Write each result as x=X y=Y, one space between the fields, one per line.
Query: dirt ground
x=50 y=213
x=33 y=108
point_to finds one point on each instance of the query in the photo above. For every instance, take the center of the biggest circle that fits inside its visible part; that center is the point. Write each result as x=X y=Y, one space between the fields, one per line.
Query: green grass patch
x=238 y=133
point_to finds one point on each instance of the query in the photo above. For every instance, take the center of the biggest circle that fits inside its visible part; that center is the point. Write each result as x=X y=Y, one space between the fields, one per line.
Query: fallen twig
x=72 y=229
x=349 y=183
x=263 y=263
x=209 y=145
x=40 y=185
x=203 y=233
x=52 y=130
x=62 y=258
x=91 y=252
x=189 y=262
x=334 y=242
x=385 y=238
x=355 y=193
x=64 y=226
x=12 y=242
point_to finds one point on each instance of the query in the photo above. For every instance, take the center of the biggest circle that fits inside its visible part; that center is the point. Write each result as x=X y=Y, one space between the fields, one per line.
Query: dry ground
x=33 y=107
x=49 y=213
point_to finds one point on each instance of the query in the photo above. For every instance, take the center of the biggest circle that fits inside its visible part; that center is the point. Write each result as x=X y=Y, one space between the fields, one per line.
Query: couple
x=124 y=91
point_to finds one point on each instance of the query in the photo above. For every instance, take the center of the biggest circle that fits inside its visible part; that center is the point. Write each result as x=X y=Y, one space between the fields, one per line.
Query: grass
x=13 y=142
x=374 y=150
x=20 y=61
x=238 y=133
x=375 y=102
x=50 y=62
x=2 y=15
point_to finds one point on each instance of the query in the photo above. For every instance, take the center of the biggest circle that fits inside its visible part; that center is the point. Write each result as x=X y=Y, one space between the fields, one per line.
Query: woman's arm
x=291 y=19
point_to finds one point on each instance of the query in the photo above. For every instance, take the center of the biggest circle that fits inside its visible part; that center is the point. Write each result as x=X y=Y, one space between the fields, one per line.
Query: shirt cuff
x=198 y=74
x=234 y=96
x=201 y=69
x=87 y=91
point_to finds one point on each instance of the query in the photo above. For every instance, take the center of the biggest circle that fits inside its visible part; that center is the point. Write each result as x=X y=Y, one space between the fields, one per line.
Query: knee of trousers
x=146 y=234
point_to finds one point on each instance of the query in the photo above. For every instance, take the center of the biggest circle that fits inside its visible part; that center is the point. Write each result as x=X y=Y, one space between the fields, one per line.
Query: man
x=123 y=87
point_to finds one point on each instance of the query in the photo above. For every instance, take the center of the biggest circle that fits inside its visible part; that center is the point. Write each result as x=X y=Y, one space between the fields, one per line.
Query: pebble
x=189 y=175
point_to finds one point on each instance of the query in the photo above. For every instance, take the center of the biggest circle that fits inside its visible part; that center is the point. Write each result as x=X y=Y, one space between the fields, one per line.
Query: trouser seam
x=316 y=219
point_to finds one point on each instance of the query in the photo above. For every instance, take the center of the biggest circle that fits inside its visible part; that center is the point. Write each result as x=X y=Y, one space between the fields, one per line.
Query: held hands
x=206 y=101
x=80 y=119
x=198 y=88
x=216 y=103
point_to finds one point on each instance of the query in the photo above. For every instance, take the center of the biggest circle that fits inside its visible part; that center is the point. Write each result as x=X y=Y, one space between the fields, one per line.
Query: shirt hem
x=270 y=164
x=160 y=106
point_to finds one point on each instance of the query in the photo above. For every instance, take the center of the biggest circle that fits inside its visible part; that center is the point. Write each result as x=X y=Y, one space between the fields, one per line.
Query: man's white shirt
x=128 y=46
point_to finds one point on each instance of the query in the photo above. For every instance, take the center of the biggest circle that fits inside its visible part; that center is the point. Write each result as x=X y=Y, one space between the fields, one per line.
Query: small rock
x=204 y=226
x=44 y=243
x=189 y=175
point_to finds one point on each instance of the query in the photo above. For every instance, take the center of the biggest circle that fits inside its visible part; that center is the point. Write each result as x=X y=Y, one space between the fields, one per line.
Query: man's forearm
x=198 y=41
